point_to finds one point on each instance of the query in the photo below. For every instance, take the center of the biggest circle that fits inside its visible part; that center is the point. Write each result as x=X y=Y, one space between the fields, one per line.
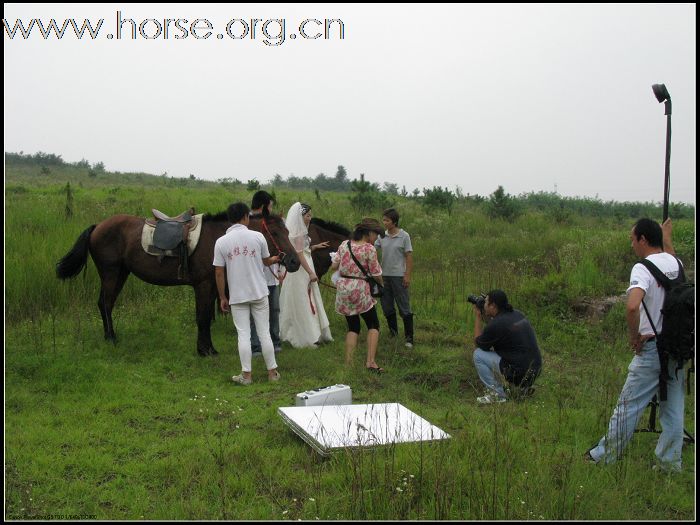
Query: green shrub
x=503 y=206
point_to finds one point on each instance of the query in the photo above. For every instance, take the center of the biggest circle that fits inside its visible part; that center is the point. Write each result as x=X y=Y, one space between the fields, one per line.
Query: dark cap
x=370 y=224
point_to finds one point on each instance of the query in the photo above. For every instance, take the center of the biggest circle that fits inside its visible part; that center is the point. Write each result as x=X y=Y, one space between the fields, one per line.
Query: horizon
x=269 y=183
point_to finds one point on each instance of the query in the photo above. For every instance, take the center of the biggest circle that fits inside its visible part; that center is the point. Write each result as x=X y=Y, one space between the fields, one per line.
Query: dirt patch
x=595 y=309
x=430 y=380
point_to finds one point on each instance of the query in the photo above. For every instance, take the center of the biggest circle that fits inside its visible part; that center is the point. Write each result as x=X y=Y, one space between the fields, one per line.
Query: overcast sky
x=530 y=97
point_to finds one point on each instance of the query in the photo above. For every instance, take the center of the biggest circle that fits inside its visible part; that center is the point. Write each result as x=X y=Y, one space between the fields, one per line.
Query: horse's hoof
x=212 y=351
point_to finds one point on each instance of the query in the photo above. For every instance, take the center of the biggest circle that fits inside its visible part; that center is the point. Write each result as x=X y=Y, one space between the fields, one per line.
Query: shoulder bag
x=376 y=289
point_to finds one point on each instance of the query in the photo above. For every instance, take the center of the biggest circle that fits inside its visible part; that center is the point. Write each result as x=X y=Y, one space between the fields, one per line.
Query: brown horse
x=321 y=231
x=115 y=247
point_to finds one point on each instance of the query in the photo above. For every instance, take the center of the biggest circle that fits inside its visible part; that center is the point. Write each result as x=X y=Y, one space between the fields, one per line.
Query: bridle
x=280 y=253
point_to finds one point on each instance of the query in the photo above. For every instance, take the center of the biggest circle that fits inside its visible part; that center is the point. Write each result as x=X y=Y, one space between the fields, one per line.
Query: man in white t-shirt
x=652 y=242
x=240 y=256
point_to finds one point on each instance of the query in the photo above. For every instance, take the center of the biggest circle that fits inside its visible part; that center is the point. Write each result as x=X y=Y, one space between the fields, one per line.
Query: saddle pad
x=192 y=240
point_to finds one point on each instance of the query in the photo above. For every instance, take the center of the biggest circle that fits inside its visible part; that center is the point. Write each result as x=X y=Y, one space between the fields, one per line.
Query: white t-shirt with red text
x=241 y=251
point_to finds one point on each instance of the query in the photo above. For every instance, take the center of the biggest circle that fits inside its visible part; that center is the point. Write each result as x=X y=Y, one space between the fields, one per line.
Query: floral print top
x=353 y=296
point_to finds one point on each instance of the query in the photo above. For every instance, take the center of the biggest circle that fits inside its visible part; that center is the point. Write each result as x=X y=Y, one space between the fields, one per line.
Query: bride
x=303 y=321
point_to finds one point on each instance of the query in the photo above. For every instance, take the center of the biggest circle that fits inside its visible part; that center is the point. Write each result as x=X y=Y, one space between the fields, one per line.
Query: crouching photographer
x=506 y=354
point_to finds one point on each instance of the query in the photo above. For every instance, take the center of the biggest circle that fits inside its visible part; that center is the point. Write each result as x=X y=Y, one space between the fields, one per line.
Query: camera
x=478 y=300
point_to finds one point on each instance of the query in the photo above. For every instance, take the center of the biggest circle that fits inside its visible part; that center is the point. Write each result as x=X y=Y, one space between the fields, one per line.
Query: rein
x=311 y=303
x=277 y=276
x=280 y=253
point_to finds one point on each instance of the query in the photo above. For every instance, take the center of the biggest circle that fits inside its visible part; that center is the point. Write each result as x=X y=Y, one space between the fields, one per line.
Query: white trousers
x=260 y=312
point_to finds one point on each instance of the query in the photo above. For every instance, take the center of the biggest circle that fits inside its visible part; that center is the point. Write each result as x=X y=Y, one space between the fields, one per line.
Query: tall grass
x=146 y=429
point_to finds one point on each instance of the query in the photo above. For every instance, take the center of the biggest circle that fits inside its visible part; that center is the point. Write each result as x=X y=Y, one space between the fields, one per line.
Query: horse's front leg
x=205 y=294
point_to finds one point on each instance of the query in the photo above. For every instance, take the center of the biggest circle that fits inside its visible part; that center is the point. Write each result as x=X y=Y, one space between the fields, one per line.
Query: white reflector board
x=334 y=427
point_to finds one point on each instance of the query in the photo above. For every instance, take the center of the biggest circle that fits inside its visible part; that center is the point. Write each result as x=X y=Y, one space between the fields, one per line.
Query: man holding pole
x=644 y=301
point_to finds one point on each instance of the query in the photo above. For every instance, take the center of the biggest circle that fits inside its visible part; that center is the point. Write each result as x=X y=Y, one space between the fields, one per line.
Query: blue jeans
x=641 y=386
x=487 y=366
x=274 y=300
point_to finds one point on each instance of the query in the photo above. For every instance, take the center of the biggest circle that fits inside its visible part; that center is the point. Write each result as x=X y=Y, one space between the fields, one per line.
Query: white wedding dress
x=303 y=320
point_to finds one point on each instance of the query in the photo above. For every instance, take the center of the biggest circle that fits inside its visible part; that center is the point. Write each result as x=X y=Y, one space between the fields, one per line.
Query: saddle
x=185 y=216
x=170 y=237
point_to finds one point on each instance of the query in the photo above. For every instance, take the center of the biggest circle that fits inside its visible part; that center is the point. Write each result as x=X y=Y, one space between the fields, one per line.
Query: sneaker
x=665 y=468
x=241 y=380
x=257 y=351
x=588 y=458
x=490 y=399
x=275 y=377
x=278 y=349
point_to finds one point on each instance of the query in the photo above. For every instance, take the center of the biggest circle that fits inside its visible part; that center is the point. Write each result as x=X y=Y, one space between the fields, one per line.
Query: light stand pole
x=662 y=95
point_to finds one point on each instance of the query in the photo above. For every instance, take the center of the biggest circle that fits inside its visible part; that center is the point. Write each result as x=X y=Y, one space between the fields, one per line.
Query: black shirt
x=511 y=336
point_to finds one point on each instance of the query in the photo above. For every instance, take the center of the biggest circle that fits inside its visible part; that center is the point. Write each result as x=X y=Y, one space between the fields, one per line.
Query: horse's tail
x=76 y=259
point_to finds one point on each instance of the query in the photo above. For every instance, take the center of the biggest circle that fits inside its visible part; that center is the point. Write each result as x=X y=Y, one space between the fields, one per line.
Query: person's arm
x=409 y=270
x=269 y=261
x=335 y=260
x=319 y=246
x=375 y=269
x=478 y=324
x=667 y=229
x=488 y=332
x=220 y=273
x=265 y=256
x=298 y=244
x=305 y=265
x=634 y=301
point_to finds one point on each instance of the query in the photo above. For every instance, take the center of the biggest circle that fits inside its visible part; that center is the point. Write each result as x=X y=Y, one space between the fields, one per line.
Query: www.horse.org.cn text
x=270 y=31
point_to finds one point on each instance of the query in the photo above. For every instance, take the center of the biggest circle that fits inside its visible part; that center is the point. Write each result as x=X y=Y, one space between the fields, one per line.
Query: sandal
x=376 y=369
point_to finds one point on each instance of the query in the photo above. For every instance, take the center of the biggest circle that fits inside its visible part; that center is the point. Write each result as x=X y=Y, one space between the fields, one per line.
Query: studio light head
x=661 y=93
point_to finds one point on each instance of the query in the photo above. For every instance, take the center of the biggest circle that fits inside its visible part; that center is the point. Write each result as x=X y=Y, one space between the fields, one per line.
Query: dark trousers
x=396 y=292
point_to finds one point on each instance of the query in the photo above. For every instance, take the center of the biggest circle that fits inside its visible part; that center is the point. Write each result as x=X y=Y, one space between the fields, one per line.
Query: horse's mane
x=270 y=217
x=331 y=226
x=222 y=216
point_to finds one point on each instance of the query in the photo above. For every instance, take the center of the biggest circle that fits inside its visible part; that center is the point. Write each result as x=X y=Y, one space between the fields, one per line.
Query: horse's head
x=334 y=234
x=277 y=236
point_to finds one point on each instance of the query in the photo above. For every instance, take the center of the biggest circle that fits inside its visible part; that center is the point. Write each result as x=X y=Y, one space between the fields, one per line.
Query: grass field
x=147 y=429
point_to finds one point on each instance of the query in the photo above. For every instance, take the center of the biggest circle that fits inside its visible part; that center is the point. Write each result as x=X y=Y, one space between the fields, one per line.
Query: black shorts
x=370 y=317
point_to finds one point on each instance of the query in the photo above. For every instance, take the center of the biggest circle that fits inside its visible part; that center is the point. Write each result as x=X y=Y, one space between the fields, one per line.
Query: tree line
x=367 y=196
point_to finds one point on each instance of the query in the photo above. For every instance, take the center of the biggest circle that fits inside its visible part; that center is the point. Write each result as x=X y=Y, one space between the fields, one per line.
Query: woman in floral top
x=353 y=298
